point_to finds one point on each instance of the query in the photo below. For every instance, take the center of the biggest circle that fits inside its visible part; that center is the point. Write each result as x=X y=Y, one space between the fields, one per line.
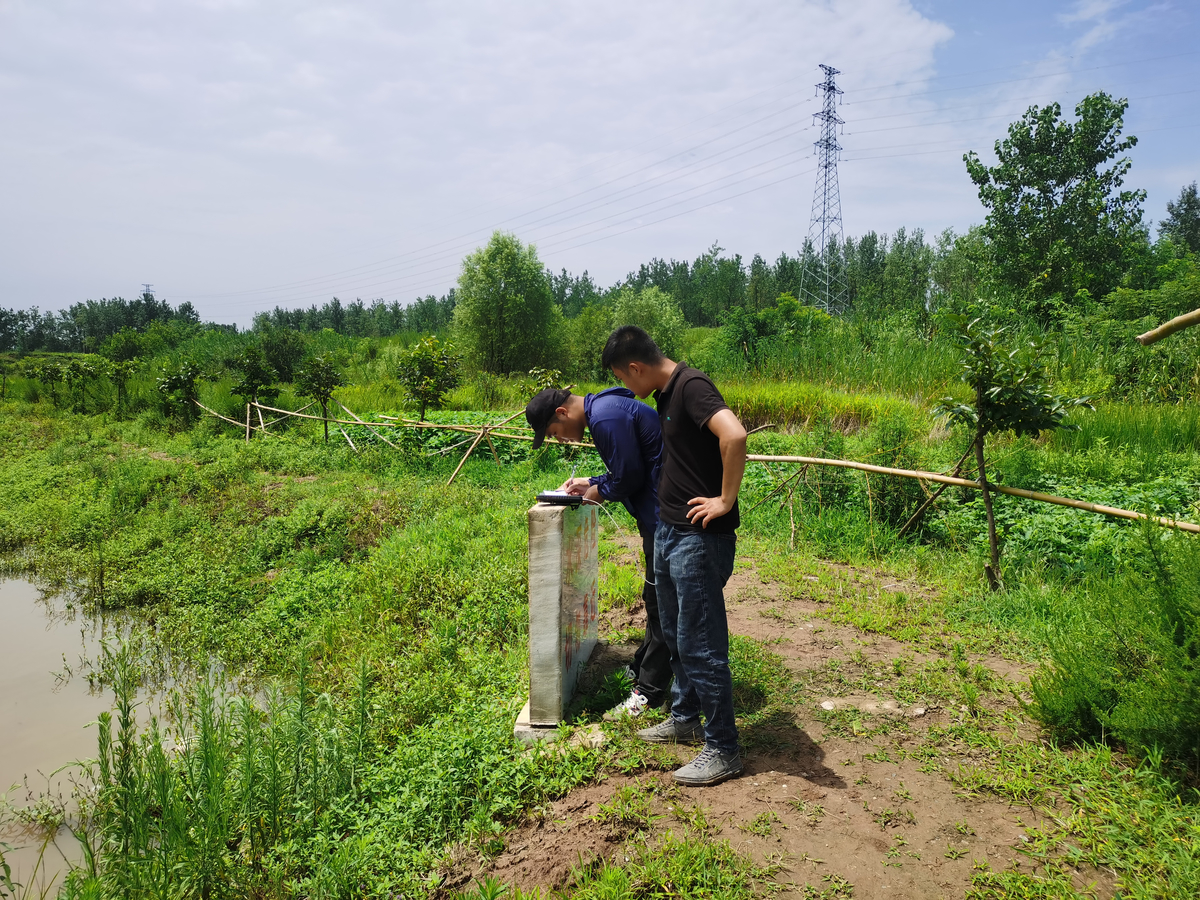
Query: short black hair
x=541 y=411
x=629 y=344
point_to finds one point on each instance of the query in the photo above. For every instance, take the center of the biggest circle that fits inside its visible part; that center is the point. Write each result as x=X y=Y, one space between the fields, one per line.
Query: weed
x=672 y=867
x=836 y=888
x=762 y=824
x=894 y=818
x=812 y=811
x=693 y=815
x=629 y=810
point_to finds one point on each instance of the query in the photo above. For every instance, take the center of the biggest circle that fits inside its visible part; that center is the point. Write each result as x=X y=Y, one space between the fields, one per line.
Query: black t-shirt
x=691 y=453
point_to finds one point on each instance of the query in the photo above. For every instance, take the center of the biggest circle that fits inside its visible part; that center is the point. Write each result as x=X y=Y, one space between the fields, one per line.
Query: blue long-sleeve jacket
x=628 y=438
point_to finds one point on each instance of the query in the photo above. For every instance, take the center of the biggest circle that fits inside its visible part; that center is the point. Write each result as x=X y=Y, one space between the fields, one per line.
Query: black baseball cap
x=539 y=411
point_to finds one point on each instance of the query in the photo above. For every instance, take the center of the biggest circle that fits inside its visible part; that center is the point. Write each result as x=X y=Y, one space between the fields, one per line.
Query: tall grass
x=848 y=356
x=798 y=404
x=1147 y=428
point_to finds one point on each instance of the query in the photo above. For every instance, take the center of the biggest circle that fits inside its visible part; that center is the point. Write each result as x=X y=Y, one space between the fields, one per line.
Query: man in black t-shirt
x=704 y=458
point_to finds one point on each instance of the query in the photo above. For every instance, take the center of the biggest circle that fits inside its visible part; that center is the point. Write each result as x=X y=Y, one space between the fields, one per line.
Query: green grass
x=1144 y=429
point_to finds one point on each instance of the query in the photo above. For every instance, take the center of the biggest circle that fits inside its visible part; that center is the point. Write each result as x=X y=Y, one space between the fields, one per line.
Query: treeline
x=425 y=315
x=84 y=327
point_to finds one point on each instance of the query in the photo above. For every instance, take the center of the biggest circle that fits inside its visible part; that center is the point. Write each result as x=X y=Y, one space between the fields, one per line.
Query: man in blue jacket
x=628 y=438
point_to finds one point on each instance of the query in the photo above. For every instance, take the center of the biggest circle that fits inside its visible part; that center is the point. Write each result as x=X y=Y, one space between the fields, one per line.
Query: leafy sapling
x=318 y=378
x=1011 y=395
x=429 y=369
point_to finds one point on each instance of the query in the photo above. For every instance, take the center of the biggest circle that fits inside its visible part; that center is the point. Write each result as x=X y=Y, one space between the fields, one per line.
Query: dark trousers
x=652 y=662
x=691 y=569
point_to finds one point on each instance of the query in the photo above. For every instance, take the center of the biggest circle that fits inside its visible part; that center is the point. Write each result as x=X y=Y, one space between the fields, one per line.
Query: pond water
x=46 y=707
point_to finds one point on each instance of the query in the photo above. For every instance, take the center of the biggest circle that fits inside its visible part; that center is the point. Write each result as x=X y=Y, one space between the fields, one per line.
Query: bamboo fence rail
x=504 y=431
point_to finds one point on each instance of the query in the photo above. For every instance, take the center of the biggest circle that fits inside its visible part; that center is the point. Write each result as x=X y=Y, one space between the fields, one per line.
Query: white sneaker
x=632 y=707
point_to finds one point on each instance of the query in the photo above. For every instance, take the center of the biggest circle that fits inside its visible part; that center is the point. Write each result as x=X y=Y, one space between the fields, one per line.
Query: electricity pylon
x=823 y=277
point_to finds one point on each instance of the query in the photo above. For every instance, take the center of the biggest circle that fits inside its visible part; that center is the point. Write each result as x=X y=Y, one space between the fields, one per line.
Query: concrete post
x=563 y=610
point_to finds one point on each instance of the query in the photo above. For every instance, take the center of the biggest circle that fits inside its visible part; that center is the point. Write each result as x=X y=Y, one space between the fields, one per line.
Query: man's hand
x=705 y=509
x=576 y=486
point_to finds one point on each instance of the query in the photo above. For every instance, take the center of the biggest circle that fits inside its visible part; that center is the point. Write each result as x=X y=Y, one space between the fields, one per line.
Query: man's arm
x=732 y=439
x=617 y=444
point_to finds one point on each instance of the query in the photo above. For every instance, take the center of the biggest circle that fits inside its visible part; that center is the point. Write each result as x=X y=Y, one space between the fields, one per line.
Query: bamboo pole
x=761 y=428
x=347 y=437
x=931 y=499
x=402 y=423
x=998 y=488
x=1168 y=328
x=462 y=462
x=281 y=418
x=261 y=423
x=217 y=414
x=488 y=432
x=369 y=428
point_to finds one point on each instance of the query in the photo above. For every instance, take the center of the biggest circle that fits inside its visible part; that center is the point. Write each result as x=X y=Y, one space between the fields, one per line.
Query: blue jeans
x=690 y=572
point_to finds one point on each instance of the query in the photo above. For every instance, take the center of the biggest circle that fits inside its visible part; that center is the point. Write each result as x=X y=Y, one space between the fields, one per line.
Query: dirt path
x=845 y=794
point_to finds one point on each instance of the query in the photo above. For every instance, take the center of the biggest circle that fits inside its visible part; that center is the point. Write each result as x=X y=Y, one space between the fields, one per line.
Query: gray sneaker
x=710 y=767
x=673 y=731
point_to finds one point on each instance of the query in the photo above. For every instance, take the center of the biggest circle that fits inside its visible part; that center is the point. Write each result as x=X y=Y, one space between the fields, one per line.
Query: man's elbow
x=734 y=440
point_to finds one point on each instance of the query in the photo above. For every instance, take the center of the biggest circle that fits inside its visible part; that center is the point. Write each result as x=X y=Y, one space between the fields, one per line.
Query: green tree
x=1182 y=224
x=283 y=348
x=655 y=312
x=179 y=392
x=1058 y=223
x=78 y=373
x=124 y=345
x=257 y=376
x=958 y=262
x=47 y=374
x=504 y=314
x=1011 y=395
x=318 y=378
x=586 y=335
x=747 y=335
x=428 y=370
x=119 y=373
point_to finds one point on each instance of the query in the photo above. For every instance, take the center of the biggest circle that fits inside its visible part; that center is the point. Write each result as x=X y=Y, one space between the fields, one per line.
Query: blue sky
x=247 y=153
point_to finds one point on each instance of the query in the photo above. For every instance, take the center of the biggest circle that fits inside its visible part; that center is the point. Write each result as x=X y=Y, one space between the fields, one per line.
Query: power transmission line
x=422 y=257
x=822 y=281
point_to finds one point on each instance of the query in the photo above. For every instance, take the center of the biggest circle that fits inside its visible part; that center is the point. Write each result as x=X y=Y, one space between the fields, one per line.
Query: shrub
x=1129 y=667
x=428 y=370
x=178 y=391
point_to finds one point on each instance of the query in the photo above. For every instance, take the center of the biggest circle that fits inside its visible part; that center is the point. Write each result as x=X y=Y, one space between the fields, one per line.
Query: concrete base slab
x=527 y=733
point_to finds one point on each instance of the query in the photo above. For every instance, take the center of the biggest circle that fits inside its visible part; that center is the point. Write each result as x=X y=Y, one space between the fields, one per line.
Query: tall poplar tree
x=505 y=314
x=1058 y=220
